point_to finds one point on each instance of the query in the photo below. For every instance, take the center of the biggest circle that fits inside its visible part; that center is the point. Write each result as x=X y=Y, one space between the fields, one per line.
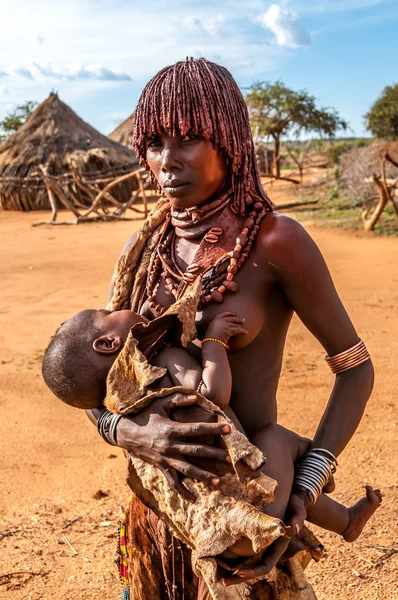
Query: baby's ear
x=107 y=344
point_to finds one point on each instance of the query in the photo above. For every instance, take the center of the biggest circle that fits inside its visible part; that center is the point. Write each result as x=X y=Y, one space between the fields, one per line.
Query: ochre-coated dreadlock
x=198 y=96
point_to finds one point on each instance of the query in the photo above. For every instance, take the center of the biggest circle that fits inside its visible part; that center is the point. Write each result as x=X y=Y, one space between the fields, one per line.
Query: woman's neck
x=196 y=221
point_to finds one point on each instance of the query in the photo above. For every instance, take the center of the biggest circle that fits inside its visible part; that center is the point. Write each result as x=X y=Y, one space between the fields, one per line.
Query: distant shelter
x=123 y=134
x=56 y=143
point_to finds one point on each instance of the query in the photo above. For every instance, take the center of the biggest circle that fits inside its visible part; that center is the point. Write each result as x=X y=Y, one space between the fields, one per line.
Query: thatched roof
x=54 y=136
x=361 y=163
x=123 y=133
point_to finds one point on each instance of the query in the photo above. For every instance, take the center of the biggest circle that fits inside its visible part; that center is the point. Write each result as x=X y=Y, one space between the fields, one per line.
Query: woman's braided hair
x=199 y=96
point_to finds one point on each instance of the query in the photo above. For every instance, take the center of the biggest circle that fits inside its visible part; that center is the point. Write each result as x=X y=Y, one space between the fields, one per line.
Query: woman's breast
x=246 y=306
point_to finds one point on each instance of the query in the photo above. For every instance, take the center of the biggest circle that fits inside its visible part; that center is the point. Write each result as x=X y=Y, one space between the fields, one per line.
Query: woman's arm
x=306 y=283
x=303 y=277
x=152 y=436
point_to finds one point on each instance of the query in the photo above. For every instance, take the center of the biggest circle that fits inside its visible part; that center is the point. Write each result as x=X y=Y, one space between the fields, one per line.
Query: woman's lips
x=175 y=182
x=175 y=186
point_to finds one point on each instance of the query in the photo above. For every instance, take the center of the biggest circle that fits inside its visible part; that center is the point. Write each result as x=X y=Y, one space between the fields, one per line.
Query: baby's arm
x=215 y=373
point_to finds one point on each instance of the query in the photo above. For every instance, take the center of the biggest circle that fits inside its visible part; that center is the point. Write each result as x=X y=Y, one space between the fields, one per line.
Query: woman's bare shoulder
x=281 y=236
x=130 y=242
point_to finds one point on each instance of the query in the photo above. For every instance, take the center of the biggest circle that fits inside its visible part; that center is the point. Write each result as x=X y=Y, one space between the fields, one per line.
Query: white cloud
x=91 y=47
x=209 y=26
x=286 y=26
x=20 y=71
x=4 y=91
x=214 y=25
x=40 y=39
x=37 y=71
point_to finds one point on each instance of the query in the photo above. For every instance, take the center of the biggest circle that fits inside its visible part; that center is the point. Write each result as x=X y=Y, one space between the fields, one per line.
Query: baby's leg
x=348 y=522
x=282 y=448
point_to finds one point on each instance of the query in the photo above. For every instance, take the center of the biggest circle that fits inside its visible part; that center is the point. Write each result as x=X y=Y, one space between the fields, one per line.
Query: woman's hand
x=295 y=516
x=296 y=513
x=152 y=436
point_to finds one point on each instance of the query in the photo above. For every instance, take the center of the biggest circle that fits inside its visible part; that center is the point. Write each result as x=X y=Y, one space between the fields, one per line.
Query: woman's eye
x=190 y=137
x=153 y=144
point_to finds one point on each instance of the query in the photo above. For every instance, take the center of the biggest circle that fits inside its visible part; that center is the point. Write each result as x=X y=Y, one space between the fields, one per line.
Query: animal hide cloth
x=220 y=516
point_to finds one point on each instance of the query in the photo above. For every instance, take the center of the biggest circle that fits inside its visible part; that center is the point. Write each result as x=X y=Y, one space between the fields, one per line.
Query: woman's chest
x=256 y=300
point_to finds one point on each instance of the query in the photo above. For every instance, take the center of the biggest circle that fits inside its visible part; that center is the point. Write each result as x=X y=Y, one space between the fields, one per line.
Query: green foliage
x=319 y=146
x=278 y=111
x=382 y=118
x=336 y=150
x=362 y=142
x=333 y=192
x=13 y=121
x=337 y=174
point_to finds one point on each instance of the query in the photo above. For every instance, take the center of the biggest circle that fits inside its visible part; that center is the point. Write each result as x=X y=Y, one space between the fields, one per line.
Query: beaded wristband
x=210 y=339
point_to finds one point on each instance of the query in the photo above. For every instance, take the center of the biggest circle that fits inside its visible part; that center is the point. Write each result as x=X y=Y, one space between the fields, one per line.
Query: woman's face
x=188 y=169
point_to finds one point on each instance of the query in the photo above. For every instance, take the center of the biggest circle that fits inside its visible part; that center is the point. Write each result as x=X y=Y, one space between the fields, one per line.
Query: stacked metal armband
x=314 y=470
x=107 y=424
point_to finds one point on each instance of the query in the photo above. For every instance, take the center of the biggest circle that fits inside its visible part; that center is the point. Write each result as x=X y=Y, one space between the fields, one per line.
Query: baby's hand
x=224 y=326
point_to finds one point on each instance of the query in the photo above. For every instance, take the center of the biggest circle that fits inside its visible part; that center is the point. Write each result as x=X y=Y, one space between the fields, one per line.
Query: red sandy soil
x=63 y=487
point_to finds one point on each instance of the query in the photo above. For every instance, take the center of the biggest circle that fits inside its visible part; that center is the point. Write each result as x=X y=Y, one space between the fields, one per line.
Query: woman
x=192 y=132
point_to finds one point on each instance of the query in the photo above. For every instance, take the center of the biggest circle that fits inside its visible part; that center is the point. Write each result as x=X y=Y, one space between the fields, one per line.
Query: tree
x=382 y=118
x=13 y=121
x=299 y=154
x=276 y=111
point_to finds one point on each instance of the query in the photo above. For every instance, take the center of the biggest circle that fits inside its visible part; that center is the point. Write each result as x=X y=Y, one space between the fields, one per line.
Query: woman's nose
x=169 y=161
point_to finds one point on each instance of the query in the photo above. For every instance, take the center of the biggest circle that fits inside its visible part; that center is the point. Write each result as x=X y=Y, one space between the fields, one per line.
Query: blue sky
x=98 y=54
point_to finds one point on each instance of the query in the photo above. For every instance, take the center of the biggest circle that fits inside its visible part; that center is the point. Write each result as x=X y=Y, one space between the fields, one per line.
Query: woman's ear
x=107 y=344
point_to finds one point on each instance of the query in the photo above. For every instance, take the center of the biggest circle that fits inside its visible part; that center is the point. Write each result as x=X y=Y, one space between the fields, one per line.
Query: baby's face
x=118 y=322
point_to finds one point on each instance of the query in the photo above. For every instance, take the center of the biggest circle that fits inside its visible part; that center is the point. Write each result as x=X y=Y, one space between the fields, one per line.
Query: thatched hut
x=123 y=134
x=56 y=139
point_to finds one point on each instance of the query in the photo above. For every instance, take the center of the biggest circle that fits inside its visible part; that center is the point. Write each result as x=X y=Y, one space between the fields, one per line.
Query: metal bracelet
x=314 y=470
x=107 y=427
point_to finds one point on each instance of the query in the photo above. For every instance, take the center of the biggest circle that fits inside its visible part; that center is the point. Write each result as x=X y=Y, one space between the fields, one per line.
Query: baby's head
x=81 y=353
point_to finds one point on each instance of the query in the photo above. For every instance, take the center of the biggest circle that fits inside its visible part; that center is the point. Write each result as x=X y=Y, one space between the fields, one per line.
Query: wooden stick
x=370 y=222
x=295 y=204
x=144 y=199
x=274 y=177
x=110 y=185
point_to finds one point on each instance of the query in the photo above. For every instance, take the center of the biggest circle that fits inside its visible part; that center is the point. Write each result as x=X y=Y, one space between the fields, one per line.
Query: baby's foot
x=361 y=512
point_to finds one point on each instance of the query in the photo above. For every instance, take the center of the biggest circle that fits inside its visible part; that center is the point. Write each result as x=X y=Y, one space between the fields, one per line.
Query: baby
x=83 y=350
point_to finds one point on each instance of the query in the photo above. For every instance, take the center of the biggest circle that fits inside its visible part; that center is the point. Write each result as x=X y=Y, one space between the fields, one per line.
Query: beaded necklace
x=220 y=277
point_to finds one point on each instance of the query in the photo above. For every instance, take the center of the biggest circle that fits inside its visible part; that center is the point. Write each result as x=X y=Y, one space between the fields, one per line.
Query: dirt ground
x=62 y=488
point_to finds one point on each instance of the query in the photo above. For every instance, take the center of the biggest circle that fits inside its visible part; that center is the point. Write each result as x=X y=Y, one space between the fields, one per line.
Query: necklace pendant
x=213 y=235
x=212 y=239
x=188 y=277
x=193 y=268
